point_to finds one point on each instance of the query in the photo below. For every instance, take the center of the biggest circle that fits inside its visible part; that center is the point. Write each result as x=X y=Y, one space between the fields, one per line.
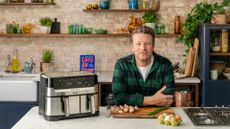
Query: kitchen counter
x=34 y=121
x=106 y=77
x=35 y=77
x=103 y=77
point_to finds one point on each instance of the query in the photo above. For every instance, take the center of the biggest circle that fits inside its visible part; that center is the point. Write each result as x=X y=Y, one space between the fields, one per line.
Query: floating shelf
x=79 y=35
x=119 y=10
x=220 y=54
x=16 y=4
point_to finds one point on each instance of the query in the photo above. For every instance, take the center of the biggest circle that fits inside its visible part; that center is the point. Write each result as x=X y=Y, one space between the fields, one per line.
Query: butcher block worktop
x=34 y=121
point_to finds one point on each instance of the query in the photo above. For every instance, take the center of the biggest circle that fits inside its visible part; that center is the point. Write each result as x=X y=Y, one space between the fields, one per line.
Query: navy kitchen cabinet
x=214 y=92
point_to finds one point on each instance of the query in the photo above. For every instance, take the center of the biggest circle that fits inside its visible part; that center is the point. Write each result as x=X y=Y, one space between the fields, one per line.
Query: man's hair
x=144 y=30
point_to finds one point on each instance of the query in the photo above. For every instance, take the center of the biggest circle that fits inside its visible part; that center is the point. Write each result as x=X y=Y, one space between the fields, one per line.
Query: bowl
x=227 y=75
x=101 y=31
x=218 y=64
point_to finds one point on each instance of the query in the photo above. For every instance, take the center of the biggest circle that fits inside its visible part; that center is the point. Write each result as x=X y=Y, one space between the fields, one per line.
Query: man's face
x=142 y=46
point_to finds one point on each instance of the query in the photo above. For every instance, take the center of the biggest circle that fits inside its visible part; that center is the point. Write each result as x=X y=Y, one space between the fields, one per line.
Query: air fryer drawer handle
x=66 y=106
x=93 y=110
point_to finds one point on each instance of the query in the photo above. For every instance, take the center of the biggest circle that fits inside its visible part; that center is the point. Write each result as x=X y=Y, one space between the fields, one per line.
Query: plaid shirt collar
x=155 y=65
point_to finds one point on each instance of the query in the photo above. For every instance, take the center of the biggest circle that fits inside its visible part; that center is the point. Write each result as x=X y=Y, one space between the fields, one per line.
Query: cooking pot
x=183 y=99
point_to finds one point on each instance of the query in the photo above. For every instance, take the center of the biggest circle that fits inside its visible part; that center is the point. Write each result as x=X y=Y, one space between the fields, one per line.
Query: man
x=143 y=78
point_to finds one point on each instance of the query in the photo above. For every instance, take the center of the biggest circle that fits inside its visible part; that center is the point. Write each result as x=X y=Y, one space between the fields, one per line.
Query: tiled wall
x=68 y=49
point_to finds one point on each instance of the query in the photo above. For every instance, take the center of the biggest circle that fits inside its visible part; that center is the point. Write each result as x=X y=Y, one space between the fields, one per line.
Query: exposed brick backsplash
x=68 y=49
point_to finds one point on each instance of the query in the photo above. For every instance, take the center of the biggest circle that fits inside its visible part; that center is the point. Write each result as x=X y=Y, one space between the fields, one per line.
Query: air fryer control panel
x=73 y=82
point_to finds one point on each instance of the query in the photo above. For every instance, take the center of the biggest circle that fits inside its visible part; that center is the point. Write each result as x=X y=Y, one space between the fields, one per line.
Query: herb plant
x=47 y=56
x=200 y=14
x=45 y=21
x=149 y=17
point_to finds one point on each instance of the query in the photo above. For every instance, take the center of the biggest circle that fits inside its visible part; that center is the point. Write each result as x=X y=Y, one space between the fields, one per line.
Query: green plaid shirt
x=128 y=85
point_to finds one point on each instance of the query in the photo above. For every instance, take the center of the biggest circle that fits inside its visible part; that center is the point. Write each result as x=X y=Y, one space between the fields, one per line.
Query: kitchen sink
x=18 y=88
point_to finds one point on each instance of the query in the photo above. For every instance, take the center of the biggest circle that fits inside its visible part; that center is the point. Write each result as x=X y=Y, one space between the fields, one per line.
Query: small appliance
x=64 y=95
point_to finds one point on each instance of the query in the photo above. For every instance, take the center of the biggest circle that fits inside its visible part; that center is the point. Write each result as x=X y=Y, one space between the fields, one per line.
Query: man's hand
x=158 y=99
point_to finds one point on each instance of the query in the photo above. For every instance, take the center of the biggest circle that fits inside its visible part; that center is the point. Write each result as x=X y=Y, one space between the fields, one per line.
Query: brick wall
x=67 y=49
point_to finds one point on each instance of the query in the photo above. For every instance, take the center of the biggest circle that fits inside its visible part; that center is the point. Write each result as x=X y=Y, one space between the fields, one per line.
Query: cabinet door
x=215 y=85
x=217 y=93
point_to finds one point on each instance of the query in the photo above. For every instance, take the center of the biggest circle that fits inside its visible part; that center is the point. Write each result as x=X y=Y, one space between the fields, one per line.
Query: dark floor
x=10 y=113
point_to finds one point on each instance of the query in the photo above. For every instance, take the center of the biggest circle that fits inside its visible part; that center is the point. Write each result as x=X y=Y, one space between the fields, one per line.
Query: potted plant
x=150 y=19
x=46 y=24
x=200 y=14
x=218 y=16
x=47 y=58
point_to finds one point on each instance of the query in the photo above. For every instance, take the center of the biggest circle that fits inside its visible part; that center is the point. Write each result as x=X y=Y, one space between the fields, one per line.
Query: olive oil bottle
x=16 y=66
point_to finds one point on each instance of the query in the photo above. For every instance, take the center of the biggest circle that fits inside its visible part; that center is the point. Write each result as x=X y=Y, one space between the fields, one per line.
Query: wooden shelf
x=118 y=10
x=16 y=4
x=64 y=35
x=80 y=35
x=220 y=54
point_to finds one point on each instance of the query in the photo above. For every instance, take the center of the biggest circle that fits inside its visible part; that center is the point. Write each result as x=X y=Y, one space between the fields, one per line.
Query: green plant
x=225 y=3
x=149 y=17
x=45 y=21
x=47 y=56
x=200 y=14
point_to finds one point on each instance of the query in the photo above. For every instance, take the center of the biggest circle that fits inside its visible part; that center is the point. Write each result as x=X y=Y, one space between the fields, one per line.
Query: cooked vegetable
x=157 y=111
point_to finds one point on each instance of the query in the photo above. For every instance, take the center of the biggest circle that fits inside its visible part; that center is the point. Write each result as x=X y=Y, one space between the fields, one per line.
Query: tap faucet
x=33 y=65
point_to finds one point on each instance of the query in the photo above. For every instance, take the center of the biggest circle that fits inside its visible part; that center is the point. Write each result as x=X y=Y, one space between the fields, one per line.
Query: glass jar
x=227 y=13
x=224 y=40
x=158 y=28
x=162 y=29
x=145 y=4
x=216 y=45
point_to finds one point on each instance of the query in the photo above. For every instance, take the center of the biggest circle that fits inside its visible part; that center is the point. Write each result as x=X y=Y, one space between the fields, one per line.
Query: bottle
x=177 y=25
x=16 y=66
x=8 y=64
x=224 y=41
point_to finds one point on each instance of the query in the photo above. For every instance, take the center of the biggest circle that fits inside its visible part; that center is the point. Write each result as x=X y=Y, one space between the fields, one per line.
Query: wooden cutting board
x=195 y=62
x=142 y=113
x=189 y=62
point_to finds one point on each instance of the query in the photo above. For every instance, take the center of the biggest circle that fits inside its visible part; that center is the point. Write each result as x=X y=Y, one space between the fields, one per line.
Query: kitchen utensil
x=196 y=49
x=55 y=28
x=189 y=62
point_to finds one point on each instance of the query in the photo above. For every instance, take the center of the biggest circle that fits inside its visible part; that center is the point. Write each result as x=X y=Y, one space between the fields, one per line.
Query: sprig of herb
x=157 y=111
